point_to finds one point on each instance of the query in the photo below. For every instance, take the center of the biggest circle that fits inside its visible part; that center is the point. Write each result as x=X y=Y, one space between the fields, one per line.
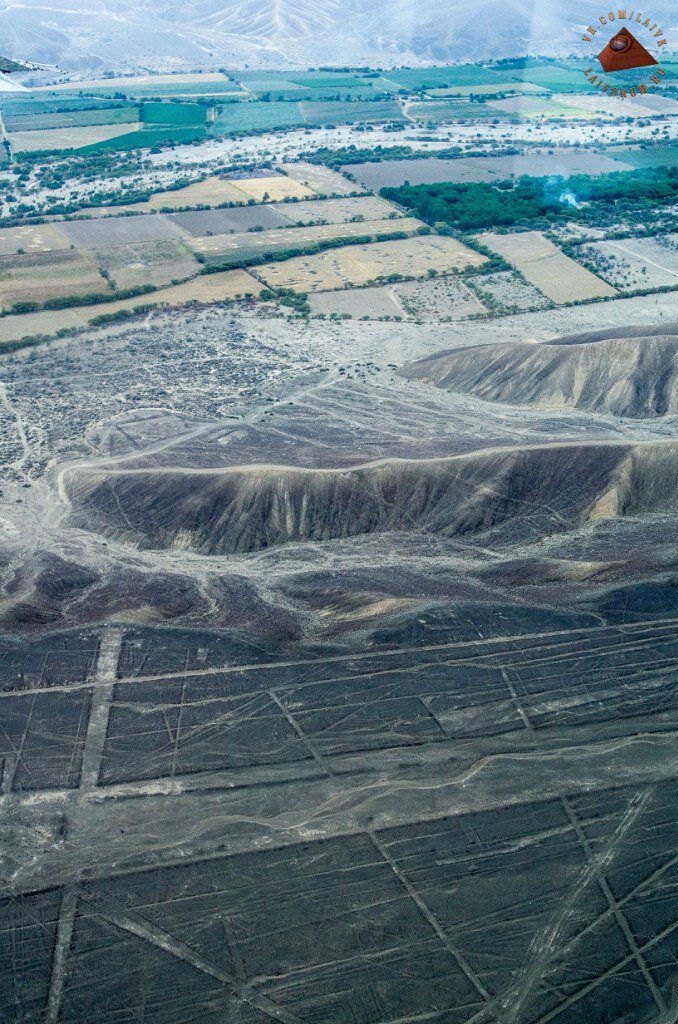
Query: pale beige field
x=208 y=288
x=545 y=266
x=361 y=264
x=210 y=192
x=252 y=242
x=334 y=211
x=39 y=277
x=156 y=263
x=68 y=138
x=275 y=188
x=136 y=80
x=321 y=179
x=32 y=238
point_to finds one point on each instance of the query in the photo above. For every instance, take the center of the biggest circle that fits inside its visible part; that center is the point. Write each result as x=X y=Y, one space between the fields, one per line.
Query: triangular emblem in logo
x=624 y=52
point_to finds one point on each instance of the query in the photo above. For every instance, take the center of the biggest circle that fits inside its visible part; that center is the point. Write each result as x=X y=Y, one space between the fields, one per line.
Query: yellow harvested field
x=321 y=179
x=360 y=264
x=210 y=192
x=33 y=238
x=557 y=276
x=275 y=188
x=253 y=242
x=205 y=289
x=68 y=138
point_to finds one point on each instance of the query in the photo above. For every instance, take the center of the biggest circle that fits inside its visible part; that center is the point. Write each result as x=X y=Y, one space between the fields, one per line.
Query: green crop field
x=659 y=155
x=553 y=78
x=348 y=113
x=26 y=121
x=173 y=113
x=146 y=138
x=440 y=77
x=446 y=111
x=237 y=118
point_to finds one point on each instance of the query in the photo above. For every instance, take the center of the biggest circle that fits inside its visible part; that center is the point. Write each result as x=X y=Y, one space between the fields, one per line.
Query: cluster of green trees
x=538 y=202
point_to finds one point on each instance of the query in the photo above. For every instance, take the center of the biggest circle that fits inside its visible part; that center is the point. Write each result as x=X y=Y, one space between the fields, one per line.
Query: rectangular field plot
x=234 y=247
x=157 y=263
x=210 y=192
x=273 y=187
x=151 y=85
x=71 y=118
x=249 y=116
x=39 y=277
x=203 y=290
x=33 y=238
x=240 y=218
x=657 y=155
x=361 y=264
x=121 y=230
x=357 y=303
x=321 y=179
x=427 y=171
x=539 y=106
x=445 y=298
x=507 y=292
x=629 y=263
x=338 y=211
x=546 y=267
x=67 y=138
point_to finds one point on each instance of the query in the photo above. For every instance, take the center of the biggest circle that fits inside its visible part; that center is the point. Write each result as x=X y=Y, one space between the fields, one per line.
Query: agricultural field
x=173 y=113
x=32 y=238
x=336 y=211
x=210 y=288
x=557 y=276
x=321 y=179
x=507 y=292
x=445 y=298
x=237 y=218
x=209 y=192
x=487 y=89
x=41 y=277
x=233 y=248
x=539 y=106
x=441 y=77
x=448 y=111
x=630 y=263
x=376 y=175
x=92 y=234
x=24 y=122
x=358 y=303
x=361 y=264
x=207 y=84
x=39 y=140
x=272 y=188
x=241 y=118
x=657 y=155
x=143 y=263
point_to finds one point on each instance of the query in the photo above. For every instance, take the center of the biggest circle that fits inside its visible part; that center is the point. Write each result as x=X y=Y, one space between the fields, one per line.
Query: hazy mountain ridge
x=276 y=32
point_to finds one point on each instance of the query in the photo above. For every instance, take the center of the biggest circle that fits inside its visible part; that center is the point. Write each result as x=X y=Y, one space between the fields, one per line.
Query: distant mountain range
x=123 y=34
